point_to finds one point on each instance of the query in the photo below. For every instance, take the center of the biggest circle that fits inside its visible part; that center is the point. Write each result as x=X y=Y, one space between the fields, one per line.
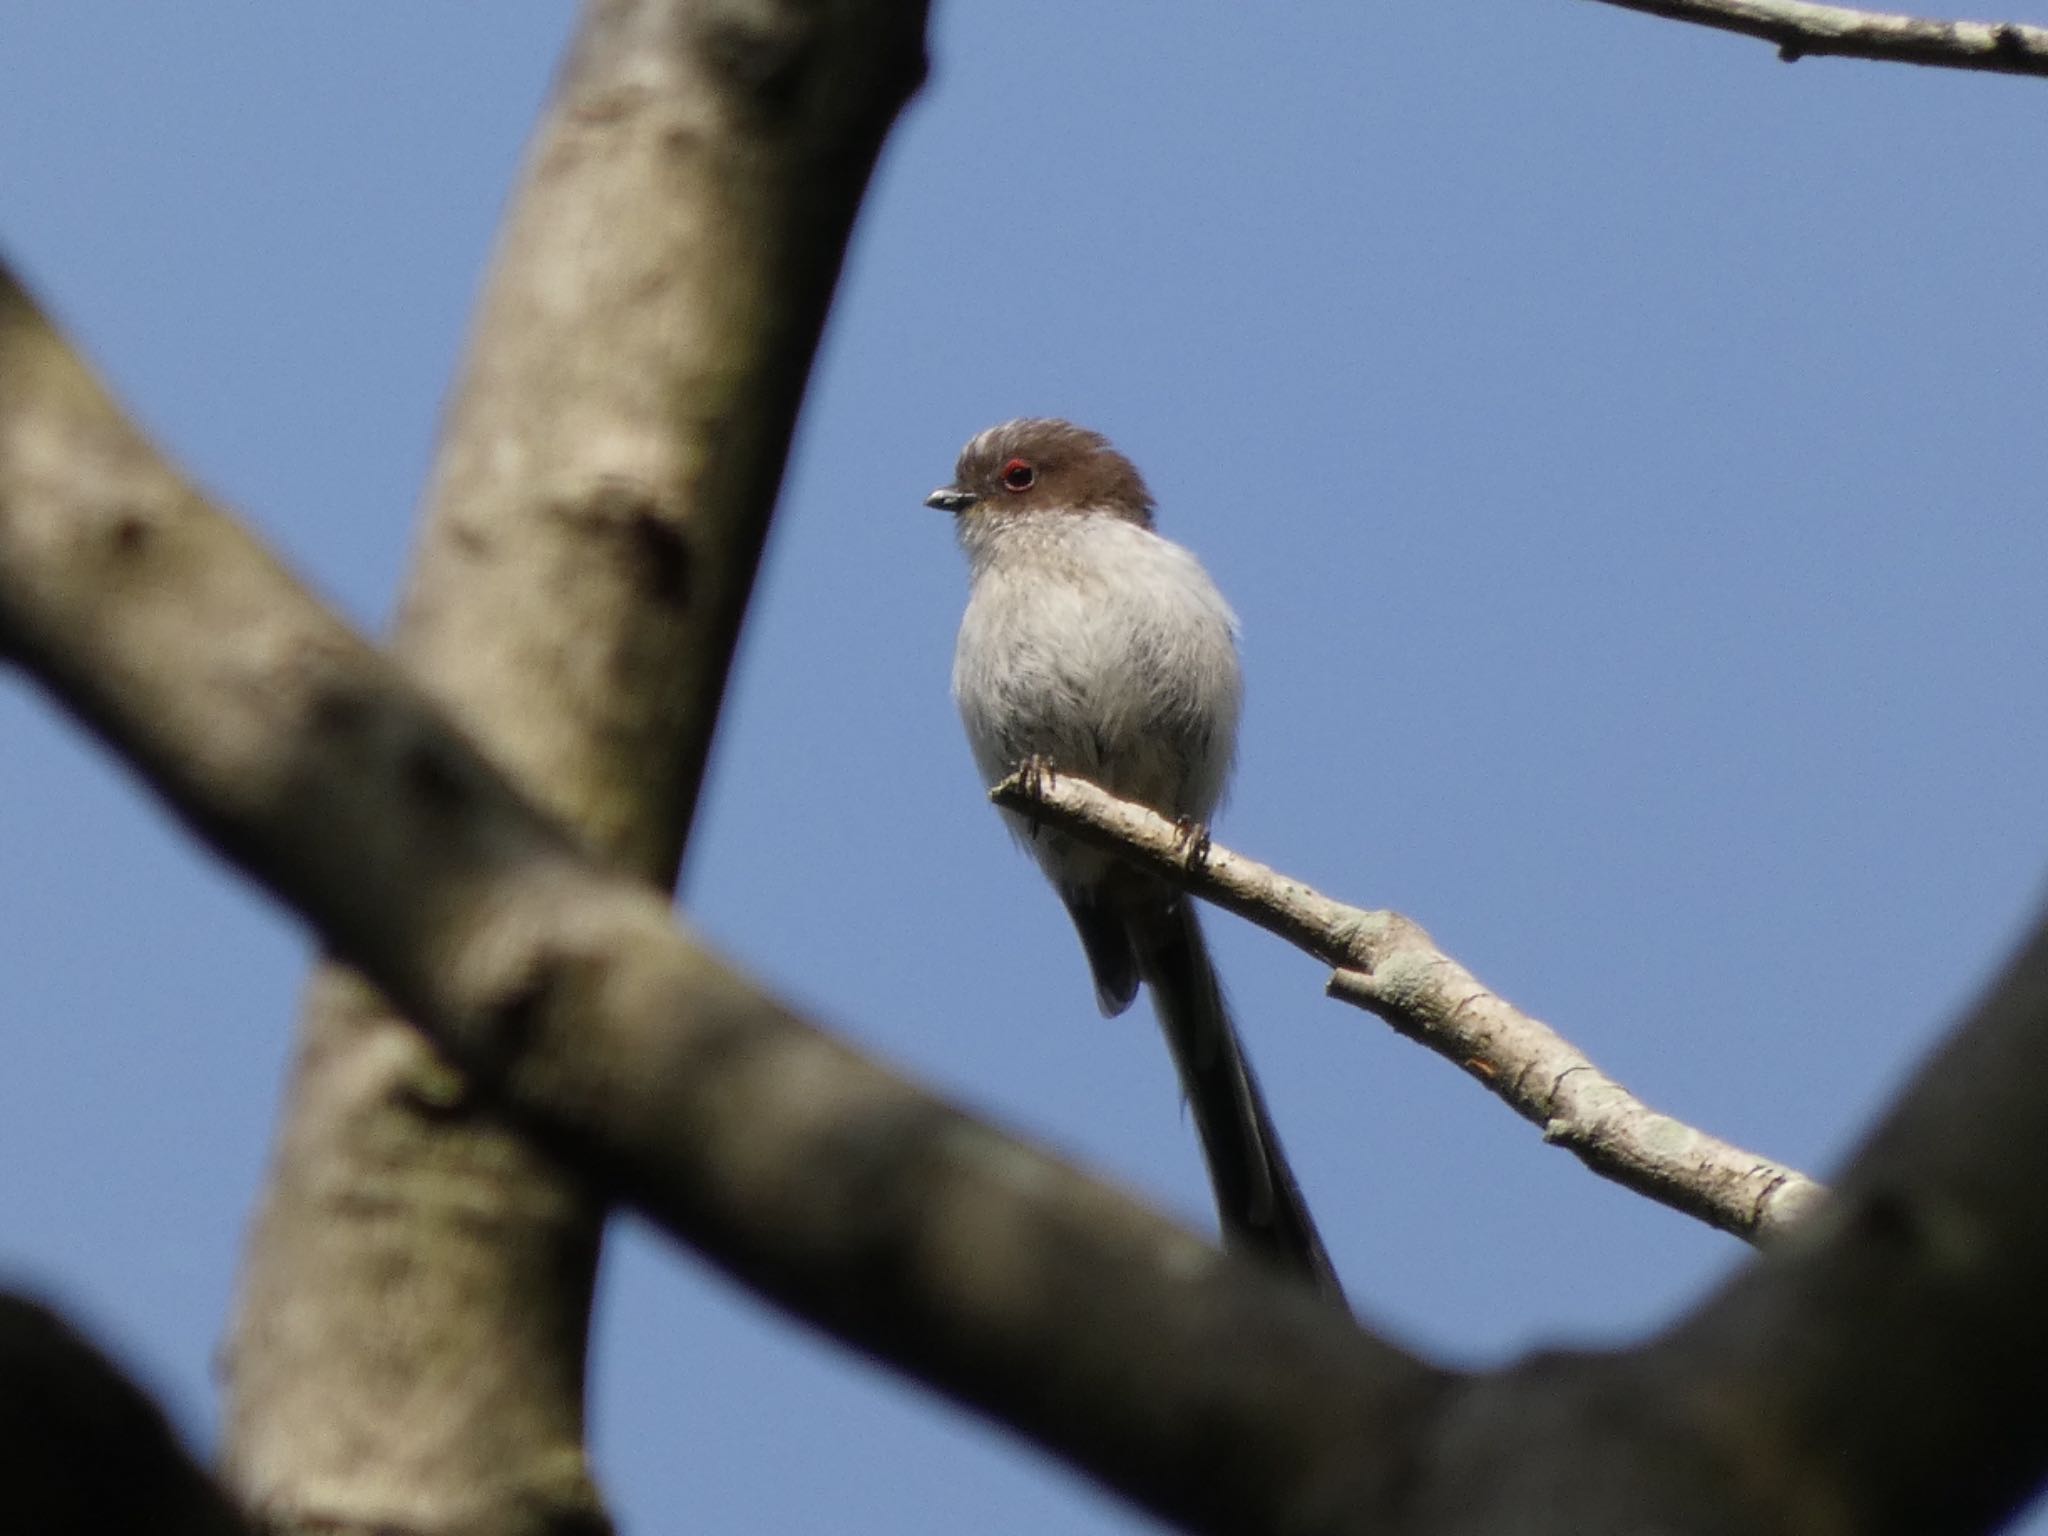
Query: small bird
x=1095 y=647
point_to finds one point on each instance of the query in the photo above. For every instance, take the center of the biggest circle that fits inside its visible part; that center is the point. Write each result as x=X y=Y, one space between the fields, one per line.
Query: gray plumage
x=1097 y=646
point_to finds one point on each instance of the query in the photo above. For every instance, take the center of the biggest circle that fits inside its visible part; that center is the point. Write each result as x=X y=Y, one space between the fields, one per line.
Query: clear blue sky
x=1625 y=452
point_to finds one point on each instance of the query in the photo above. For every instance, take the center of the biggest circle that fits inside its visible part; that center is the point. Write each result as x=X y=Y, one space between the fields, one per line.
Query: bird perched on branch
x=1093 y=646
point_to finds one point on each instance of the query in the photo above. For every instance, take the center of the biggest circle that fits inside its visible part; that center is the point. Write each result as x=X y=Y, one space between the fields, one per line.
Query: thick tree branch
x=1892 y=1359
x=82 y=1451
x=1799 y=29
x=409 y=1346
x=1195 y=1383
x=1387 y=964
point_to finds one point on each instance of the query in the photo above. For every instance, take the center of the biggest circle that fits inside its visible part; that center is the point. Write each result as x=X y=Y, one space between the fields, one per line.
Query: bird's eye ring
x=1018 y=476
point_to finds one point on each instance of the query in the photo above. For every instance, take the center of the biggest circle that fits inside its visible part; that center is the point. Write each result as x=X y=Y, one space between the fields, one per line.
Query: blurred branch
x=1800 y=29
x=1893 y=1353
x=1387 y=964
x=600 y=497
x=83 y=1451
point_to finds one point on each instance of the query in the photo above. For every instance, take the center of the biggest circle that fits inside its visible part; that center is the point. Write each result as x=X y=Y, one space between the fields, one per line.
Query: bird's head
x=1039 y=464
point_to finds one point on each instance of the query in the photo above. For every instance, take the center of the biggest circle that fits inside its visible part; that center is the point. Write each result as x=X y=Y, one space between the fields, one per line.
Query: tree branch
x=1198 y=1385
x=1884 y=1369
x=408 y=1348
x=82 y=1449
x=1799 y=29
x=1387 y=964
x=1892 y=1356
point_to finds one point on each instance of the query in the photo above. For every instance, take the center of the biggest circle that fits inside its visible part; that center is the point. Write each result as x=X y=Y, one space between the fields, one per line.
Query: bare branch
x=1799 y=29
x=1387 y=964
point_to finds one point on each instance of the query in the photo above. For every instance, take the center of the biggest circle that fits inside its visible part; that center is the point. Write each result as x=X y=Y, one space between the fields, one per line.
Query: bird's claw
x=1191 y=843
x=1037 y=775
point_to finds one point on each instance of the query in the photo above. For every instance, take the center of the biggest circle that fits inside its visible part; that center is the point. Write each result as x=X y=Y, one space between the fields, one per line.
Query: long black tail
x=1261 y=1206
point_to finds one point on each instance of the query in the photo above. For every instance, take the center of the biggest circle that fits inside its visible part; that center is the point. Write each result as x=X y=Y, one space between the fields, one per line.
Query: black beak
x=950 y=499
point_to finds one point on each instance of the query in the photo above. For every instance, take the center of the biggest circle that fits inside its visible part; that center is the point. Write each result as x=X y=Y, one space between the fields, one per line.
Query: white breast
x=1101 y=646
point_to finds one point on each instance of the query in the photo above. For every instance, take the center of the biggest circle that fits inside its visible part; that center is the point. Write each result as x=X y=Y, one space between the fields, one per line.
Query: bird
x=1093 y=646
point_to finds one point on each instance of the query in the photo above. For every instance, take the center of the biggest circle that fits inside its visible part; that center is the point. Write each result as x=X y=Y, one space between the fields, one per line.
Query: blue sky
x=1624 y=450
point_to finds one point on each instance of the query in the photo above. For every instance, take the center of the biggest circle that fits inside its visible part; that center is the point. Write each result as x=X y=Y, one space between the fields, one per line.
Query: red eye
x=1018 y=476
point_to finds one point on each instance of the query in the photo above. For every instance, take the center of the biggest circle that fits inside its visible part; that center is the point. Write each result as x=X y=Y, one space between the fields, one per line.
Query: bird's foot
x=1191 y=843
x=1036 y=774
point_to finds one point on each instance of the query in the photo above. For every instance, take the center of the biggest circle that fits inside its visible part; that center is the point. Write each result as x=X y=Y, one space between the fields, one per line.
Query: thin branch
x=1799 y=29
x=1387 y=964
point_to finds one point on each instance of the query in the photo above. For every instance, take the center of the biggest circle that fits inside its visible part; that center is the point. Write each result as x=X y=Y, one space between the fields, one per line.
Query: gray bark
x=408 y=1349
